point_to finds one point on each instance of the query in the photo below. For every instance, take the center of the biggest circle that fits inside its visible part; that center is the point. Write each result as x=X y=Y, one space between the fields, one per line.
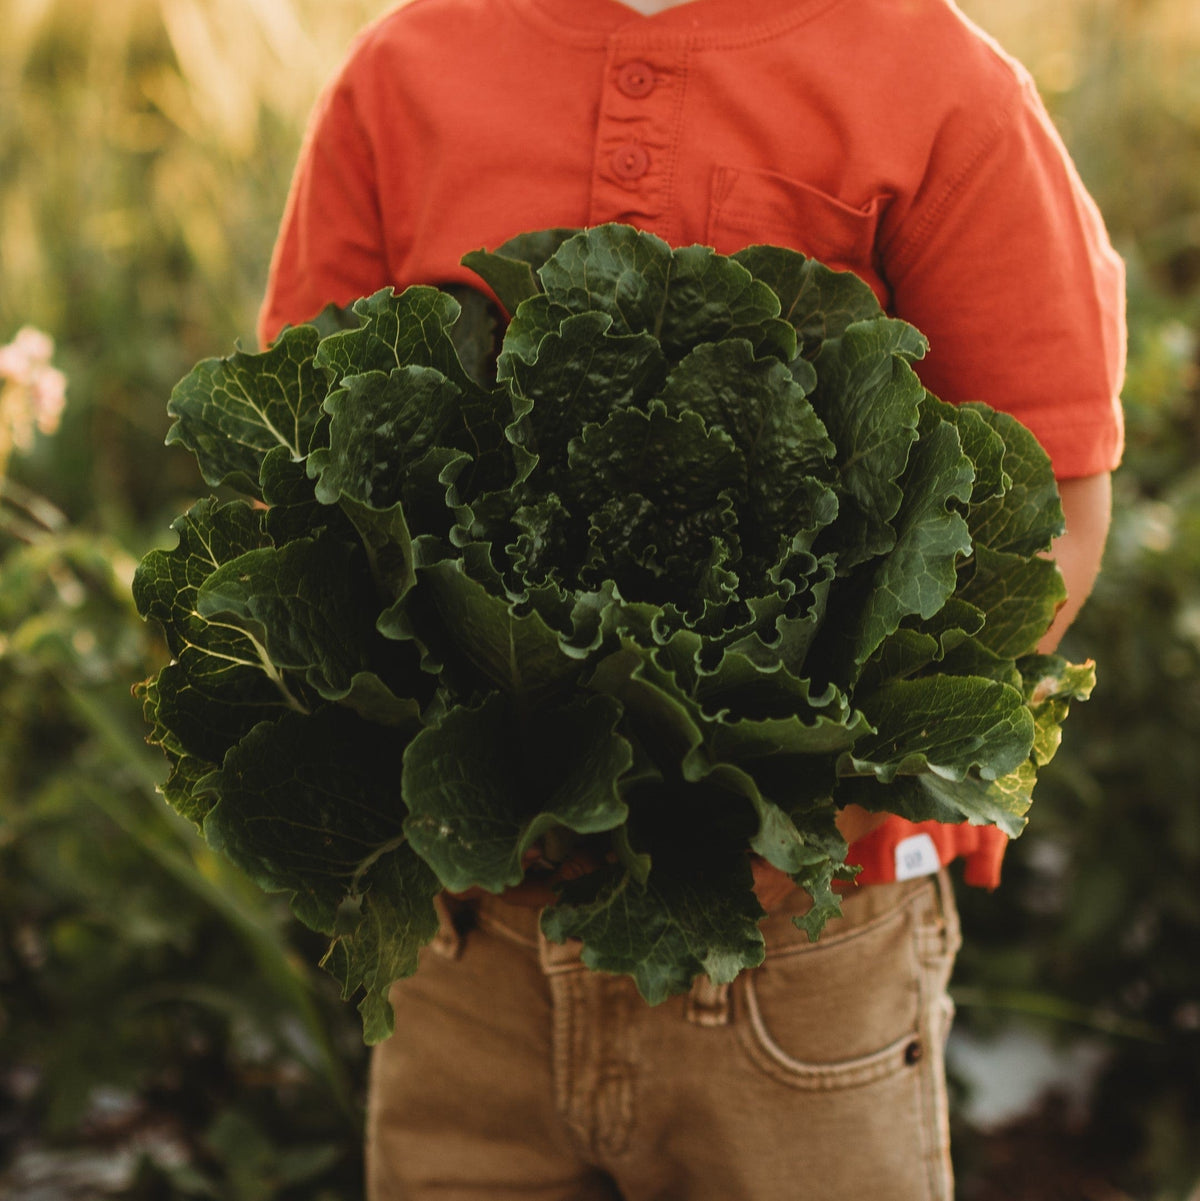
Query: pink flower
x=37 y=347
x=30 y=351
x=13 y=364
x=32 y=393
x=49 y=388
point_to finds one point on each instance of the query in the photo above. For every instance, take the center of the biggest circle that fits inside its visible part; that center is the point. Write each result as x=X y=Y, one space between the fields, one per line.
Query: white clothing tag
x=916 y=856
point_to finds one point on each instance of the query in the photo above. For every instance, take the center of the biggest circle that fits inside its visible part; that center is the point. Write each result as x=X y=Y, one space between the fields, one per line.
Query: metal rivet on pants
x=913 y=1052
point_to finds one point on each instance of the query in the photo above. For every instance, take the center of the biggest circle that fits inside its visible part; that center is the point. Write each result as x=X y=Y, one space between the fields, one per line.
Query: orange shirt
x=886 y=137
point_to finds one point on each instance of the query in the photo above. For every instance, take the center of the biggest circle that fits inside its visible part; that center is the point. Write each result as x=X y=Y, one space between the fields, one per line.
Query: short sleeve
x=1005 y=264
x=330 y=248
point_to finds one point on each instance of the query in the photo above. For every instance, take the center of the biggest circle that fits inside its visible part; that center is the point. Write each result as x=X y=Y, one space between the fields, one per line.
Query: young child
x=886 y=137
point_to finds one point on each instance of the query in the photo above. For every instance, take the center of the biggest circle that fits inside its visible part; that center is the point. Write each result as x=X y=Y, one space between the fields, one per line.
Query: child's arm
x=1087 y=508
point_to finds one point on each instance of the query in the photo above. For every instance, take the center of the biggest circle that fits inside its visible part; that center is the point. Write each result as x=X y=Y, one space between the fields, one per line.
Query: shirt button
x=630 y=161
x=636 y=79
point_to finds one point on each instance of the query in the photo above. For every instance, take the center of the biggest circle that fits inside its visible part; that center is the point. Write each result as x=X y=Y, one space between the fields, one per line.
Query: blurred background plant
x=162 y=1034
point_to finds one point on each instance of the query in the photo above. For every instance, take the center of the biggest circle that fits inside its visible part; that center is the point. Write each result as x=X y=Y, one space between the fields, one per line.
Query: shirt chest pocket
x=753 y=206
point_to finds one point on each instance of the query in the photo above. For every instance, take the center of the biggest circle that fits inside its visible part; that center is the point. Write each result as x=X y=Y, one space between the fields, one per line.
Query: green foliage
x=675 y=576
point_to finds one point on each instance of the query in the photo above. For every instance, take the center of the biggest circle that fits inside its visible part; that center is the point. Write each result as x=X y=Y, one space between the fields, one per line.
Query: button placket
x=636 y=132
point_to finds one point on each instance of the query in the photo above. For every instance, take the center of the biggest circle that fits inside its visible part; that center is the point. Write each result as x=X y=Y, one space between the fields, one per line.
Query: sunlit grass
x=131 y=126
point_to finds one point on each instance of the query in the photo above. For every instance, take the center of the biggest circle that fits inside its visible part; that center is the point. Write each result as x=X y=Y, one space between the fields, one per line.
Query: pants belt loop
x=448 y=941
x=707 y=1003
x=557 y=958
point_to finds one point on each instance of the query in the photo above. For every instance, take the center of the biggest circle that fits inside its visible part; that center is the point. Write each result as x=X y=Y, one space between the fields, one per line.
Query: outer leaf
x=231 y=412
x=511 y=279
x=530 y=324
x=820 y=303
x=476 y=333
x=696 y=911
x=536 y=246
x=380 y=426
x=785 y=623
x=395 y=917
x=166 y=581
x=308 y=604
x=659 y=713
x=1051 y=683
x=222 y=681
x=918 y=575
x=774 y=714
x=1028 y=516
x=187 y=770
x=1019 y=596
x=665 y=932
x=413 y=328
x=929 y=797
x=611 y=269
x=869 y=398
x=416 y=329
x=485 y=784
x=683 y=297
x=521 y=655
x=303 y=807
x=386 y=441
x=293 y=510
x=982 y=444
x=944 y=725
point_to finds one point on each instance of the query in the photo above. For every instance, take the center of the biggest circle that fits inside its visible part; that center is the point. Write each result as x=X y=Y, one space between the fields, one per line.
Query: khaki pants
x=516 y=1072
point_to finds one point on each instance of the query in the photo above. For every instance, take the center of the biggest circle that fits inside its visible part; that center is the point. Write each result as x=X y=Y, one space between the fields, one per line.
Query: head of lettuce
x=692 y=562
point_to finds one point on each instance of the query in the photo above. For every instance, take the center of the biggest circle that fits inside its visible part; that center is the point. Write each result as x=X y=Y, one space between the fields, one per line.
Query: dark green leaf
x=919 y=573
x=231 y=412
x=1018 y=595
x=1028 y=516
x=304 y=807
x=520 y=654
x=308 y=605
x=222 y=682
x=512 y=279
x=486 y=783
x=393 y=902
x=785 y=446
x=414 y=328
x=818 y=302
x=869 y=399
x=583 y=373
x=682 y=297
x=696 y=912
x=944 y=725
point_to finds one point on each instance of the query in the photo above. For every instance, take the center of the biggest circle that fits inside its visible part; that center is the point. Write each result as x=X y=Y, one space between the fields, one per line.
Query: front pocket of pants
x=898 y=1056
x=840 y=1013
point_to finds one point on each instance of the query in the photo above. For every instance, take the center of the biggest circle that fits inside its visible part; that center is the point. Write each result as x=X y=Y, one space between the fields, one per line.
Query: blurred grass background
x=162 y=1034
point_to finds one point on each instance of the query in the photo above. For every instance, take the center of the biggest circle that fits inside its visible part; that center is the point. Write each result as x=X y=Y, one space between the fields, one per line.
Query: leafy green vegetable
x=690 y=563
